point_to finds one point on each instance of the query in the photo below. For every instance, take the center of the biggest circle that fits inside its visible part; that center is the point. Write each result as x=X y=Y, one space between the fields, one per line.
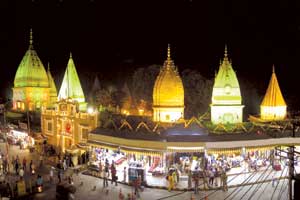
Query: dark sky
x=112 y=37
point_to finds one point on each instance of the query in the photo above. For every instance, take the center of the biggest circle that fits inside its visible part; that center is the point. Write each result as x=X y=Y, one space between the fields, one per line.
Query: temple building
x=68 y=124
x=273 y=106
x=168 y=94
x=226 y=104
x=65 y=126
x=33 y=86
x=71 y=87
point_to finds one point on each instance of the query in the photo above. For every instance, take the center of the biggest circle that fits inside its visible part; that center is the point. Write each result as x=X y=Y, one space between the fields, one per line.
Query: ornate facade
x=273 y=106
x=66 y=125
x=33 y=86
x=168 y=94
x=226 y=104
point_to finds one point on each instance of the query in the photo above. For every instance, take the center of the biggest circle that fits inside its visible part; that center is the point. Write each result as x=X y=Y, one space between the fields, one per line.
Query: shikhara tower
x=273 y=106
x=32 y=84
x=71 y=87
x=168 y=93
x=226 y=104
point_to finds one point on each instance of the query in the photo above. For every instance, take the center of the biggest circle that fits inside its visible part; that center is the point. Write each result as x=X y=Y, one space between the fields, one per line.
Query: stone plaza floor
x=254 y=185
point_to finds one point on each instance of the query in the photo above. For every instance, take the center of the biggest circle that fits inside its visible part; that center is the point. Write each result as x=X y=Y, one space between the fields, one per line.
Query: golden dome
x=168 y=93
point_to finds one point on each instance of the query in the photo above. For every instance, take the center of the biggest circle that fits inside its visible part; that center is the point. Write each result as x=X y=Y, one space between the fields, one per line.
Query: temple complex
x=168 y=93
x=273 y=106
x=226 y=104
x=33 y=86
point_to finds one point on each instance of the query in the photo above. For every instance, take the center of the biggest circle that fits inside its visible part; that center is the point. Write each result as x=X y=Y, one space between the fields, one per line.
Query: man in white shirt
x=21 y=172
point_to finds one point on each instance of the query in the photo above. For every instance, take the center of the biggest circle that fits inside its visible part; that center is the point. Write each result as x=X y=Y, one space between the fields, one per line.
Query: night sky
x=112 y=38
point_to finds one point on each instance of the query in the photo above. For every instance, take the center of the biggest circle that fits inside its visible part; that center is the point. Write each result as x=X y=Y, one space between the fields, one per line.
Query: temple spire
x=70 y=54
x=273 y=69
x=31 y=39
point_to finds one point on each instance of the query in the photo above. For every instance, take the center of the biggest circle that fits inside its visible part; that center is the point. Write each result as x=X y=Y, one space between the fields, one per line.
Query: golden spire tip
x=169 y=52
x=273 y=69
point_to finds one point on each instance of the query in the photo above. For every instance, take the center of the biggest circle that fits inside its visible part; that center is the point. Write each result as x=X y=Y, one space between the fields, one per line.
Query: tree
x=104 y=98
x=197 y=93
x=252 y=105
x=142 y=84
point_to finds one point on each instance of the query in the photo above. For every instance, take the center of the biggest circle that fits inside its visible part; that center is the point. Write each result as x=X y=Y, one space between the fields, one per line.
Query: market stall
x=21 y=138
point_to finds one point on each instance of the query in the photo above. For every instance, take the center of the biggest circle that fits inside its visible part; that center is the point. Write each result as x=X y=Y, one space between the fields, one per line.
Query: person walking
x=124 y=175
x=174 y=174
x=16 y=166
x=21 y=173
x=196 y=183
x=224 y=181
x=189 y=179
x=171 y=182
x=59 y=175
x=51 y=173
x=114 y=177
x=105 y=176
x=211 y=177
x=31 y=167
x=24 y=163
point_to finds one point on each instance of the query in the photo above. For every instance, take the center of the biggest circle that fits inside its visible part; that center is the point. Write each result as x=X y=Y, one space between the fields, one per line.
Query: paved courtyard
x=254 y=185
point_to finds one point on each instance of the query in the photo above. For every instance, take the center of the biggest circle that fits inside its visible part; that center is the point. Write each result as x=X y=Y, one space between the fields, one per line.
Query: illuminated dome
x=71 y=87
x=31 y=71
x=168 y=94
x=226 y=96
x=273 y=106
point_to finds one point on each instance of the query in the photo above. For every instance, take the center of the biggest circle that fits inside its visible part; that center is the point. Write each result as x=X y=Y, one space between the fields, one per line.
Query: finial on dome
x=169 y=52
x=273 y=69
x=70 y=54
x=31 y=39
x=48 y=66
x=225 y=51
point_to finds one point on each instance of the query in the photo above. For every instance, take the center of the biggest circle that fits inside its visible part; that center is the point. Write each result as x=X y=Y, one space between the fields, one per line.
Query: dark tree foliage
x=142 y=84
x=250 y=98
x=197 y=93
x=104 y=98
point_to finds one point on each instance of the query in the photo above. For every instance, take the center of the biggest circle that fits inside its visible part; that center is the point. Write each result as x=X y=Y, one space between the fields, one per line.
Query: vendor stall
x=20 y=138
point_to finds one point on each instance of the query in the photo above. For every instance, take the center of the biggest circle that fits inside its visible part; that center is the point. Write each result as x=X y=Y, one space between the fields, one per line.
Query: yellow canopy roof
x=273 y=96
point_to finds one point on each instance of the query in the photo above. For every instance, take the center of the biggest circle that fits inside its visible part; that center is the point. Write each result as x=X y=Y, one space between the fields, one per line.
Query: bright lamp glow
x=273 y=112
x=90 y=110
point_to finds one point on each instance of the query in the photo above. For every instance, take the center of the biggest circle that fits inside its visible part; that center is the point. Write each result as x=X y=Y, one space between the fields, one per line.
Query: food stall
x=21 y=138
x=135 y=170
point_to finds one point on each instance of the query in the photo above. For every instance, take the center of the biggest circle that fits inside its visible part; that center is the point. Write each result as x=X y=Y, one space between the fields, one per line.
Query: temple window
x=84 y=133
x=49 y=127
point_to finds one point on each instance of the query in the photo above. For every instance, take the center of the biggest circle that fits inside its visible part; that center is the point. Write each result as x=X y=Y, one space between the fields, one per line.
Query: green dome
x=71 y=87
x=31 y=71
